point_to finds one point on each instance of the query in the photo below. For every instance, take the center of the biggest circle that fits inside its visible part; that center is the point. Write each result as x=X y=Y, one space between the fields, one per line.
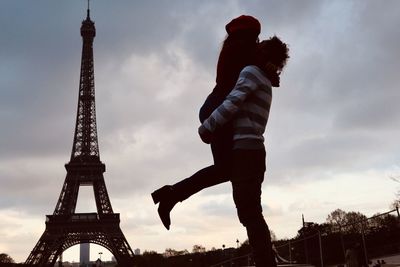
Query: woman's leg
x=212 y=175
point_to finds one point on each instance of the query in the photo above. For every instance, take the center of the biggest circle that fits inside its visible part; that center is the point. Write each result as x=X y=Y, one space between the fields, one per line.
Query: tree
x=5 y=258
x=396 y=202
x=312 y=228
x=384 y=222
x=151 y=258
x=348 y=222
x=169 y=252
x=198 y=249
x=355 y=221
x=337 y=218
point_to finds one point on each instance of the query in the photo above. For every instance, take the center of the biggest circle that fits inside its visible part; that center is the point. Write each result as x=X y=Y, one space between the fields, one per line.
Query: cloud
x=332 y=121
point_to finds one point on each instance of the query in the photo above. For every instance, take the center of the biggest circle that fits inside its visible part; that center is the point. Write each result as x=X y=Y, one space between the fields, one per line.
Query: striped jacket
x=247 y=104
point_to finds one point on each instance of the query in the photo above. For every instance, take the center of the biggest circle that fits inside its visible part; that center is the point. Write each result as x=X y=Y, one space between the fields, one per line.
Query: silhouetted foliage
x=342 y=230
x=5 y=258
x=336 y=217
x=347 y=222
x=198 y=249
x=396 y=202
x=169 y=252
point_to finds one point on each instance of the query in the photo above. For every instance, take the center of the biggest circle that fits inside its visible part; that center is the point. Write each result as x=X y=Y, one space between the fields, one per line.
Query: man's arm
x=248 y=82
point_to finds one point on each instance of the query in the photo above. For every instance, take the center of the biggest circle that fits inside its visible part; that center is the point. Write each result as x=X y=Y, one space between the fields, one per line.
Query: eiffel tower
x=65 y=228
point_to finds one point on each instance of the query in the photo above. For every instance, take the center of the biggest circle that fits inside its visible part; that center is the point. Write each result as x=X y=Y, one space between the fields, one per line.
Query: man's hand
x=205 y=135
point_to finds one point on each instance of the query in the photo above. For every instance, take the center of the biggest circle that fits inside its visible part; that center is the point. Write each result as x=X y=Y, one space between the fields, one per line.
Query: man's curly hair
x=274 y=51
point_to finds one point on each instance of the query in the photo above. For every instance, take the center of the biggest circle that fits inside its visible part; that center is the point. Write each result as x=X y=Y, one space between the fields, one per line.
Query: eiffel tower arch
x=66 y=228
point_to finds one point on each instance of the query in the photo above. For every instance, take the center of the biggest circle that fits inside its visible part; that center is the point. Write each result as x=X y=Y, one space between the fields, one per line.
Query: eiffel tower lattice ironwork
x=66 y=228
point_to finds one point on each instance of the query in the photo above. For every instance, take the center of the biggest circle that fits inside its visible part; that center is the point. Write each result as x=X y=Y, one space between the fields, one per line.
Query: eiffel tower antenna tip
x=88 y=9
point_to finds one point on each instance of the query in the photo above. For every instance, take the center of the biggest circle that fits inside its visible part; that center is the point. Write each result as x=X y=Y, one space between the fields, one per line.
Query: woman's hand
x=205 y=135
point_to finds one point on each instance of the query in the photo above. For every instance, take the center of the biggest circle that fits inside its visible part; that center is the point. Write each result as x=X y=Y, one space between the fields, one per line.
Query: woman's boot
x=167 y=199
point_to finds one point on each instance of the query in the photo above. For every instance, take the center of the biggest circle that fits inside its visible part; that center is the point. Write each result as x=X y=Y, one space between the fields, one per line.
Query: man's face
x=273 y=68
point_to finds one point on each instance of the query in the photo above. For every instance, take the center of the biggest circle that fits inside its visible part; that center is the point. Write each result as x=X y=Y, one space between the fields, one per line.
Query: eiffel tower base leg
x=62 y=233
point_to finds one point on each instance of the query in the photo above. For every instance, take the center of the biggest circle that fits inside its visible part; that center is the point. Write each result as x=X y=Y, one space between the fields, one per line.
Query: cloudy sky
x=332 y=137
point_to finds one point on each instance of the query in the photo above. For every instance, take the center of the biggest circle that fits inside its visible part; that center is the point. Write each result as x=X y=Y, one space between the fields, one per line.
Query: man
x=247 y=107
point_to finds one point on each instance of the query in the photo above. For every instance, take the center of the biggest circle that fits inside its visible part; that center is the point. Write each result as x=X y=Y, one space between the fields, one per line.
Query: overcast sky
x=332 y=136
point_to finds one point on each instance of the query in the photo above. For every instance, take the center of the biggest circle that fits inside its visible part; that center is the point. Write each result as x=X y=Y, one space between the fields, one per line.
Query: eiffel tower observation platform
x=80 y=218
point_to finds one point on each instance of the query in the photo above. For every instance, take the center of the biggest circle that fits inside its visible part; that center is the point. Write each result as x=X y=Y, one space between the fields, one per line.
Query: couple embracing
x=233 y=120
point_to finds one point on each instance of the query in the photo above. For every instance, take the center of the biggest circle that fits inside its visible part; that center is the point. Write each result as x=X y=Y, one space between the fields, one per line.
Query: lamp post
x=101 y=263
x=320 y=248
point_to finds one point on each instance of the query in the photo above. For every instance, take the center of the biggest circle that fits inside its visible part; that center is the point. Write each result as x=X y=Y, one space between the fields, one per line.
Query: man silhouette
x=247 y=107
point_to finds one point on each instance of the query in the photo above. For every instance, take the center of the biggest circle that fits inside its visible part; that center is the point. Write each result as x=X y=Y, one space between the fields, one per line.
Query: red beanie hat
x=243 y=23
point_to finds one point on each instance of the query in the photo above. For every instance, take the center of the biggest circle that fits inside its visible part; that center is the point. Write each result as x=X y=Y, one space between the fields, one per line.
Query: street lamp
x=100 y=253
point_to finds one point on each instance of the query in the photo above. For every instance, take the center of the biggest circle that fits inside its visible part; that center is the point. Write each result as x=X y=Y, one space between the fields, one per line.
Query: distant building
x=84 y=257
x=137 y=251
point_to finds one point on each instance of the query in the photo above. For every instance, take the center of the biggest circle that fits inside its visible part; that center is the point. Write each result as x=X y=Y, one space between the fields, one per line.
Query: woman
x=238 y=51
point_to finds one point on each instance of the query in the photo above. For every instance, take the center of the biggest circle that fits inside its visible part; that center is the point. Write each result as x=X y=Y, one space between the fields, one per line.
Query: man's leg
x=247 y=176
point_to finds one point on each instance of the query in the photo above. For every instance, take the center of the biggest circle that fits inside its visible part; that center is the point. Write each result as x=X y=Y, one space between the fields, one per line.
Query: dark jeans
x=221 y=148
x=220 y=172
x=248 y=167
